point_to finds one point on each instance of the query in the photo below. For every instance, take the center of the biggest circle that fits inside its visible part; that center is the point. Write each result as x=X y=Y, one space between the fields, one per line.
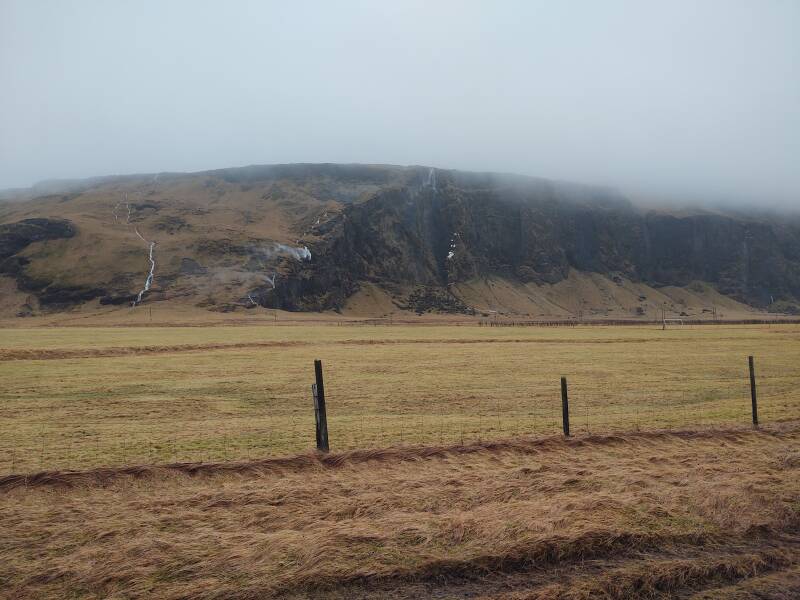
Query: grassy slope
x=78 y=397
x=595 y=296
x=642 y=515
x=193 y=208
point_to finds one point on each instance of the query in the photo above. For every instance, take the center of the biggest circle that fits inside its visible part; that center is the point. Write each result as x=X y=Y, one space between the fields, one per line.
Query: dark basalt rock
x=14 y=266
x=55 y=296
x=115 y=300
x=534 y=232
x=15 y=237
x=434 y=299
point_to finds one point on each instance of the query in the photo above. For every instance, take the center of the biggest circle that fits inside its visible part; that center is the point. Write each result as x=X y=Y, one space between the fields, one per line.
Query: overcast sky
x=698 y=97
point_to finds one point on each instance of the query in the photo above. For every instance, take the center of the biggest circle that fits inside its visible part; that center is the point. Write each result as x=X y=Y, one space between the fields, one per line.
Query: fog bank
x=678 y=99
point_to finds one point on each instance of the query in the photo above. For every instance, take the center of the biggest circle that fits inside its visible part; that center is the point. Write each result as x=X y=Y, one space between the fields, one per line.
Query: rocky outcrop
x=15 y=237
x=466 y=226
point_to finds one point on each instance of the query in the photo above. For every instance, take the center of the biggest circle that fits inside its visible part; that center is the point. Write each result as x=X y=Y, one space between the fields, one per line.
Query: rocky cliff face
x=445 y=228
x=420 y=234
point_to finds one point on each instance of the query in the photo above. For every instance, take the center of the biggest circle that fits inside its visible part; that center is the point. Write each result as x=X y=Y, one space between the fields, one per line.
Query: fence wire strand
x=598 y=404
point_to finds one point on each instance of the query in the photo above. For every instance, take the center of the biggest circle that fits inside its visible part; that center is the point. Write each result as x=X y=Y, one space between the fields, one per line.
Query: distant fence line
x=615 y=322
x=575 y=322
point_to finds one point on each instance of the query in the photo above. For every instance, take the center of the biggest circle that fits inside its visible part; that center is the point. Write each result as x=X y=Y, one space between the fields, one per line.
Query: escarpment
x=313 y=237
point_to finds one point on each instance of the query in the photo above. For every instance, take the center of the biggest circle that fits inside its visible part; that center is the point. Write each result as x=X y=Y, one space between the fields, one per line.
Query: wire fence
x=599 y=402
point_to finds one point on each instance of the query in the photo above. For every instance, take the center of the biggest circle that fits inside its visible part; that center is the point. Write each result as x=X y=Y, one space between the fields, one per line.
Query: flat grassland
x=462 y=486
x=84 y=397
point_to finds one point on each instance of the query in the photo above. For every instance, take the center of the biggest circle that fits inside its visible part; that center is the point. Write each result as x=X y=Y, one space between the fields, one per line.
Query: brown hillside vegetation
x=705 y=515
x=336 y=238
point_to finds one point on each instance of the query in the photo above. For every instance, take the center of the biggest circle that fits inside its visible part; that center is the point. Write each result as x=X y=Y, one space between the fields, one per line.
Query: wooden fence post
x=316 y=413
x=564 y=406
x=753 y=397
x=320 y=415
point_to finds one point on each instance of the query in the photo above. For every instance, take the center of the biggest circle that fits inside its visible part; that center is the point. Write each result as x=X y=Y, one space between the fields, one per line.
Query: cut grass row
x=648 y=515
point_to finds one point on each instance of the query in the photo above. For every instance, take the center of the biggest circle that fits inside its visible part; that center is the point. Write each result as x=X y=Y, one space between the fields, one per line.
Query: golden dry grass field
x=74 y=397
x=646 y=515
x=461 y=486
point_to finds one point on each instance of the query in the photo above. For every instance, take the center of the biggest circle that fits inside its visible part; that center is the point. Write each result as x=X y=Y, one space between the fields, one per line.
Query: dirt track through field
x=655 y=515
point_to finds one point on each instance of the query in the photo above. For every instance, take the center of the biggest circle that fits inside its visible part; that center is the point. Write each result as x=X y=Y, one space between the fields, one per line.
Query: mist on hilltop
x=665 y=101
